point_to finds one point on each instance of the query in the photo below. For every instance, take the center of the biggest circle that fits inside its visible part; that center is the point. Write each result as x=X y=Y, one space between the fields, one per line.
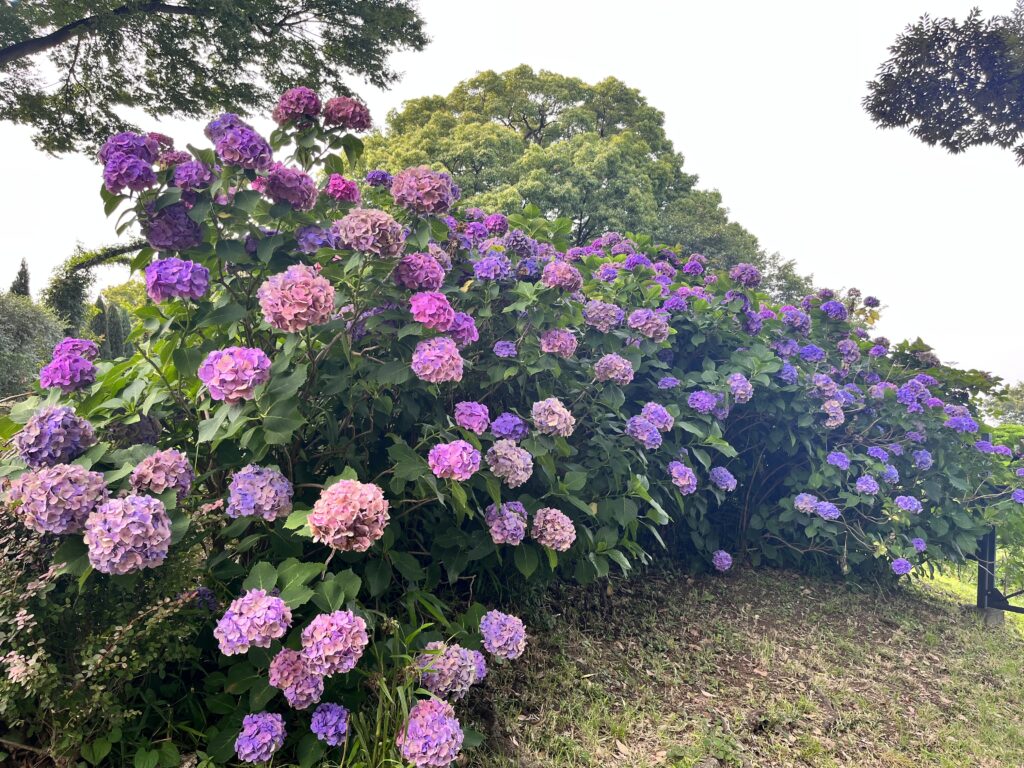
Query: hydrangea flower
x=419 y=272
x=550 y=417
x=138 y=145
x=447 y=671
x=437 y=360
x=510 y=426
x=1018 y=495
x=742 y=390
x=349 y=516
x=603 y=316
x=658 y=416
x=330 y=724
x=289 y=671
x=296 y=105
x=457 y=460
x=919 y=545
x=347 y=114
x=423 y=191
x=834 y=309
x=432 y=737
x=650 y=323
x=683 y=478
x=86 y=348
x=642 y=430
x=369 y=230
x=806 y=503
x=332 y=643
x=57 y=499
x=702 y=401
x=826 y=510
x=561 y=274
x=493 y=266
x=297 y=298
x=505 y=349
x=867 y=485
x=510 y=463
x=723 y=478
x=128 y=534
x=558 y=341
x=171 y=229
x=963 y=424
x=253 y=620
x=53 y=435
x=472 y=416
x=890 y=474
x=240 y=145
x=192 y=175
x=163 y=471
x=261 y=491
x=668 y=382
x=504 y=635
x=432 y=310
x=68 y=373
x=553 y=529
x=614 y=368
x=121 y=172
x=506 y=523
x=722 y=560
x=838 y=459
x=291 y=186
x=908 y=504
x=496 y=224
x=261 y=736
x=233 y=374
x=901 y=566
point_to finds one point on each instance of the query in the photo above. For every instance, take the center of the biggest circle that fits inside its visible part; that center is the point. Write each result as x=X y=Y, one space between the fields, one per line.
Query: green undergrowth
x=757 y=668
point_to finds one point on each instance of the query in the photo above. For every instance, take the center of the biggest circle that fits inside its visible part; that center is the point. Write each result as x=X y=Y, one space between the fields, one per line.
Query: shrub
x=28 y=332
x=331 y=372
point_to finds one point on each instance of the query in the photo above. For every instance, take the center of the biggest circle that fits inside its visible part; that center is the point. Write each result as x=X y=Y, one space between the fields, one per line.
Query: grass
x=762 y=668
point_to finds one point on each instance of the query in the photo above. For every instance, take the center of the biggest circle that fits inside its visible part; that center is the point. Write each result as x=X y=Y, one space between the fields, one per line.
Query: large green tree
x=20 y=285
x=28 y=332
x=69 y=67
x=596 y=154
x=955 y=84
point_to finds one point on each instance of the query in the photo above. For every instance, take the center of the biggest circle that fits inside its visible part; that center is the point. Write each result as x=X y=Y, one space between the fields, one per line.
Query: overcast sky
x=763 y=99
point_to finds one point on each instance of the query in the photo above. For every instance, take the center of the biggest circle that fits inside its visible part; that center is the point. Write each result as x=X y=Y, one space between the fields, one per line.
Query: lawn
x=762 y=668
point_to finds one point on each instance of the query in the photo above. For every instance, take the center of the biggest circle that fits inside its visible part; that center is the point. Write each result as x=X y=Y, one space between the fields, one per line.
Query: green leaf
x=263 y=575
x=224 y=315
x=232 y=251
x=208 y=428
x=335 y=590
x=310 y=752
x=146 y=758
x=169 y=755
x=378 y=577
x=95 y=751
x=526 y=560
x=281 y=421
x=407 y=565
x=575 y=480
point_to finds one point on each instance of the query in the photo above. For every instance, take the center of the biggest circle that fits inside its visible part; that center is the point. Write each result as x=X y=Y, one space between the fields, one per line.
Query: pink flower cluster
x=57 y=499
x=261 y=491
x=253 y=620
x=348 y=114
x=128 y=534
x=349 y=516
x=297 y=298
x=419 y=272
x=233 y=374
x=432 y=309
x=504 y=635
x=448 y=671
x=432 y=737
x=369 y=230
x=333 y=642
x=437 y=360
x=341 y=189
x=506 y=523
x=614 y=368
x=558 y=341
x=163 y=471
x=472 y=416
x=561 y=274
x=291 y=186
x=457 y=460
x=290 y=672
x=552 y=418
x=510 y=463
x=553 y=528
x=423 y=191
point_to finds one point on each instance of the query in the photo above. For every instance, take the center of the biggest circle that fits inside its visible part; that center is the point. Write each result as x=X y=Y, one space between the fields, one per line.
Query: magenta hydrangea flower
x=53 y=435
x=174 y=278
x=650 y=323
x=121 y=172
x=68 y=373
x=163 y=471
x=332 y=643
x=437 y=360
x=330 y=724
x=253 y=620
x=347 y=114
x=128 y=534
x=261 y=491
x=297 y=298
x=722 y=560
x=423 y=191
x=171 y=229
x=291 y=186
x=341 y=189
x=510 y=463
x=510 y=426
x=463 y=330
x=496 y=224
x=432 y=310
x=658 y=416
x=457 y=460
x=233 y=374
x=553 y=529
x=57 y=499
x=504 y=635
x=723 y=478
x=289 y=671
x=261 y=736
x=447 y=671
x=901 y=566
x=349 y=516
x=240 y=145
x=419 y=272
x=558 y=341
x=432 y=737
x=82 y=347
x=369 y=230
x=742 y=390
x=683 y=478
x=561 y=274
x=550 y=417
x=506 y=523
x=297 y=105
x=472 y=416
x=646 y=433
x=614 y=368
x=603 y=316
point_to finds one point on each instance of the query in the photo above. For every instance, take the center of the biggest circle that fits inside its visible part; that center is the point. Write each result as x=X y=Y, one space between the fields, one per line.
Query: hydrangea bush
x=372 y=405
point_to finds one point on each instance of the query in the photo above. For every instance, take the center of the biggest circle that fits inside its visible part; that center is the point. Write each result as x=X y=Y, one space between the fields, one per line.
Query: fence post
x=993 y=617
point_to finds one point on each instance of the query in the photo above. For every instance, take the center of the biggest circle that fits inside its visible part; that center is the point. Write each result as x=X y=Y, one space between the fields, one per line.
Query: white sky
x=763 y=99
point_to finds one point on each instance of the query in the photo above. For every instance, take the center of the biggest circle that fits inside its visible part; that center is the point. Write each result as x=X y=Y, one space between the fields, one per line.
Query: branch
x=86 y=26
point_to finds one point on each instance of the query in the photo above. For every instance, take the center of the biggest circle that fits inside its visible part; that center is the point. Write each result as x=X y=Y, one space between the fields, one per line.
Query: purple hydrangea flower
x=558 y=341
x=867 y=485
x=552 y=528
x=806 y=503
x=82 y=347
x=561 y=274
x=644 y=431
x=291 y=186
x=261 y=736
x=53 y=435
x=457 y=460
x=301 y=687
x=658 y=416
x=497 y=224
x=261 y=491
x=379 y=178
x=68 y=373
x=901 y=566
x=838 y=459
x=505 y=349
x=510 y=463
x=683 y=478
x=722 y=560
x=812 y=353
x=742 y=390
x=432 y=737
x=1018 y=495
x=923 y=459
x=826 y=510
x=510 y=426
x=330 y=724
x=423 y=191
x=123 y=171
x=140 y=145
x=551 y=417
x=834 y=309
x=506 y=523
x=463 y=330
x=192 y=175
x=57 y=499
x=908 y=504
x=650 y=323
x=163 y=471
x=240 y=145
x=128 y=534
x=233 y=374
x=878 y=453
x=614 y=368
x=472 y=416
x=723 y=478
x=448 y=671
x=668 y=382
x=253 y=620
x=919 y=545
x=890 y=474
x=347 y=114
x=332 y=643
x=493 y=266
x=702 y=401
x=746 y=275
x=963 y=424
x=437 y=360
x=297 y=104
x=419 y=272
x=171 y=229
x=504 y=635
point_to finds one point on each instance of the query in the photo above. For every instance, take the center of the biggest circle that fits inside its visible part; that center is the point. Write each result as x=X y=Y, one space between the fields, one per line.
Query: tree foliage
x=20 y=285
x=69 y=68
x=955 y=84
x=1007 y=405
x=28 y=332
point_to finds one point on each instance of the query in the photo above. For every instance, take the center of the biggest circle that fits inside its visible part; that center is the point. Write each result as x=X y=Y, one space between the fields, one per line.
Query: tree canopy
x=69 y=68
x=20 y=285
x=596 y=154
x=955 y=84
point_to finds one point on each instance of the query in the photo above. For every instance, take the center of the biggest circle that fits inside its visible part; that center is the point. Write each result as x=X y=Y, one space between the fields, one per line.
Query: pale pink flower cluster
x=553 y=528
x=297 y=298
x=349 y=516
x=552 y=418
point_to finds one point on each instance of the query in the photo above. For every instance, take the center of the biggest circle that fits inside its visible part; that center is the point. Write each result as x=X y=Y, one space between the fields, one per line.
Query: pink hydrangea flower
x=448 y=671
x=561 y=274
x=297 y=105
x=432 y=737
x=297 y=298
x=334 y=642
x=553 y=528
x=510 y=463
x=347 y=113
x=550 y=417
x=57 y=499
x=437 y=360
x=233 y=374
x=432 y=309
x=349 y=516
x=457 y=460
x=658 y=416
x=683 y=477
x=290 y=672
x=423 y=191
x=614 y=368
x=162 y=471
x=128 y=534
x=341 y=189
x=262 y=491
x=419 y=272
x=472 y=416
x=558 y=341
x=253 y=620
x=506 y=523
x=369 y=230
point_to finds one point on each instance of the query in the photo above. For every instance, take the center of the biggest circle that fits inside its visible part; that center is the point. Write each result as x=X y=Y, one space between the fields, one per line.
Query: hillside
x=757 y=669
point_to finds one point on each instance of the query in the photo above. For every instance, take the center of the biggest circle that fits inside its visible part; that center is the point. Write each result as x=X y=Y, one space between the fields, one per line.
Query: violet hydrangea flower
x=668 y=382
x=472 y=416
x=261 y=736
x=908 y=504
x=128 y=534
x=291 y=186
x=57 y=499
x=504 y=635
x=86 y=348
x=552 y=528
x=650 y=323
x=174 y=278
x=347 y=113
x=742 y=390
x=349 y=516
x=826 y=510
x=437 y=360
x=614 y=368
x=805 y=502
x=53 y=435
x=163 y=471
x=867 y=485
x=642 y=430
x=330 y=724
x=838 y=459
x=447 y=671
x=920 y=545
x=457 y=460
x=746 y=275
x=505 y=349
x=901 y=566
x=332 y=643
x=419 y=272
x=261 y=491
x=510 y=426
x=683 y=478
x=723 y=478
x=432 y=737
x=702 y=401
x=233 y=374
x=240 y=145
x=171 y=229
x=510 y=463
x=507 y=523
x=722 y=560
x=551 y=417
x=301 y=686
x=297 y=105
x=658 y=416
x=558 y=341
x=561 y=274
x=121 y=172
x=68 y=373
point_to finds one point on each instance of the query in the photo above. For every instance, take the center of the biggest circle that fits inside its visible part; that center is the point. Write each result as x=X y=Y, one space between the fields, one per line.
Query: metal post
x=986 y=568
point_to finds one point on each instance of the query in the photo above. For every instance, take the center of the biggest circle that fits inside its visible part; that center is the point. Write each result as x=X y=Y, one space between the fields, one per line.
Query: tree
x=28 y=332
x=955 y=84
x=596 y=154
x=1007 y=405
x=20 y=285
x=66 y=68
